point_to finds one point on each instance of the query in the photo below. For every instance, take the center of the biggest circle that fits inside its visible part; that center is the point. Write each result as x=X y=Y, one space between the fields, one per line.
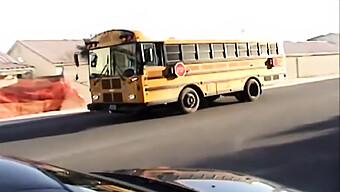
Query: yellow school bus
x=129 y=70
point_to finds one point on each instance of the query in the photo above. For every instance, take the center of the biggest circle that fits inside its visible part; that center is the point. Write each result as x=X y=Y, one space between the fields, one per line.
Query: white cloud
x=66 y=19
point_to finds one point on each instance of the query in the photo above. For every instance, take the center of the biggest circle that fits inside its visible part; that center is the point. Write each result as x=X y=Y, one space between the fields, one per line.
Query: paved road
x=290 y=135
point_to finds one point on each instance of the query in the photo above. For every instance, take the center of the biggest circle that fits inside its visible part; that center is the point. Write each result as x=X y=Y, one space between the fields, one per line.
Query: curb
x=300 y=81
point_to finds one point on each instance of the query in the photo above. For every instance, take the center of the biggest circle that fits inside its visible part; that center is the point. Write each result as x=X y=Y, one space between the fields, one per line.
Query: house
x=51 y=57
x=311 y=58
x=11 y=68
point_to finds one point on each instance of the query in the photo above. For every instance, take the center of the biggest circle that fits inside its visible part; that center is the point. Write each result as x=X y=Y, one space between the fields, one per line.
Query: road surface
x=290 y=135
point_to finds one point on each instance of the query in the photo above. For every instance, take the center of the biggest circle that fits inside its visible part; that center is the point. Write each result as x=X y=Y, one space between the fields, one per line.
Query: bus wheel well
x=257 y=81
x=196 y=88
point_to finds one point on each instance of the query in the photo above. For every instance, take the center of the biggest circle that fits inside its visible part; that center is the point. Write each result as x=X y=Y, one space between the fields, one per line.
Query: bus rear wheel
x=251 y=92
x=189 y=100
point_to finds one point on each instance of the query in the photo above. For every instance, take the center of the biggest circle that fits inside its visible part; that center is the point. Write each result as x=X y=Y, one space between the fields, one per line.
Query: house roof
x=7 y=63
x=330 y=37
x=55 y=51
x=310 y=47
x=4 y=59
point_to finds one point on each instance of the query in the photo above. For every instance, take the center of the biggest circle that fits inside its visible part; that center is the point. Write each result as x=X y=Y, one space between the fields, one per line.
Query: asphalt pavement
x=290 y=135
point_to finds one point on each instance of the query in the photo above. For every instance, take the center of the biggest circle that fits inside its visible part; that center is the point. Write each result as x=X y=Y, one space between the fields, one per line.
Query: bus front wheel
x=189 y=100
x=251 y=92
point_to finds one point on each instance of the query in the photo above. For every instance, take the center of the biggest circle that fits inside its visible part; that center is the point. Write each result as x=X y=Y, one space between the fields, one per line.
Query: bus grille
x=112 y=97
x=111 y=84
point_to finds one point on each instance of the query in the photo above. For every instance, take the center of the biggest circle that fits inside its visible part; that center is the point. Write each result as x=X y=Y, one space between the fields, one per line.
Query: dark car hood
x=208 y=180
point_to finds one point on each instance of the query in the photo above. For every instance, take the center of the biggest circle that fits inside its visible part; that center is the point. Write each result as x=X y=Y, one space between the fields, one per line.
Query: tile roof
x=55 y=51
x=4 y=58
x=8 y=63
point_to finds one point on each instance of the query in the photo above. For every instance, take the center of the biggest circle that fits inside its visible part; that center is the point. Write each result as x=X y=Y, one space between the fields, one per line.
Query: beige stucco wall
x=312 y=65
x=318 y=65
x=42 y=66
x=291 y=67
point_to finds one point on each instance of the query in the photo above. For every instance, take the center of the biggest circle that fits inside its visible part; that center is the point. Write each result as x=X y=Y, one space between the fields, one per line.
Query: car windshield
x=112 y=61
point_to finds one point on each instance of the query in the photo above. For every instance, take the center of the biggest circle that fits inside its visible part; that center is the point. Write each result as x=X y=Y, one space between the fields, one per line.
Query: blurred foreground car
x=24 y=175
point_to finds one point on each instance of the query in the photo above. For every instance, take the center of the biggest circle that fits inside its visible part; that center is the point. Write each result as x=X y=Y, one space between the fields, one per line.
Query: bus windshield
x=112 y=61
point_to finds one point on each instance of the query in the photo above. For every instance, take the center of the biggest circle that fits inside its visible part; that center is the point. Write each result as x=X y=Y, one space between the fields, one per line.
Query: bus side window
x=242 y=49
x=231 y=50
x=263 y=49
x=149 y=56
x=204 y=51
x=272 y=49
x=173 y=53
x=253 y=49
x=218 y=51
x=189 y=52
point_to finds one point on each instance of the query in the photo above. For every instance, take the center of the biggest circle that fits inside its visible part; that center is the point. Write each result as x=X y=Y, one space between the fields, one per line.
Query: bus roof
x=189 y=41
x=118 y=36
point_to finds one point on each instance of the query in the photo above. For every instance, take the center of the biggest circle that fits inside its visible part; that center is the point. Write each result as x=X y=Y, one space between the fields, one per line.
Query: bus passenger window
x=253 y=49
x=173 y=53
x=231 y=51
x=263 y=49
x=218 y=51
x=204 y=51
x=272 y=49
x=242 y=50
x=189 y=52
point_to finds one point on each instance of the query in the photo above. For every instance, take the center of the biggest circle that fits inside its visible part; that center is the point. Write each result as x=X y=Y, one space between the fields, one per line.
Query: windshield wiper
x=101 y=73
x=120 y=73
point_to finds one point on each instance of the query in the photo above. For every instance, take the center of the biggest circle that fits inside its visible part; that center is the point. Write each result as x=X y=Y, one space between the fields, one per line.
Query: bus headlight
x=95 y=97
x=132 y=96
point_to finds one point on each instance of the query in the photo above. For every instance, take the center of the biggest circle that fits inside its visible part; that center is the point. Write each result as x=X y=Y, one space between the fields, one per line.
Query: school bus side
x=213 y=69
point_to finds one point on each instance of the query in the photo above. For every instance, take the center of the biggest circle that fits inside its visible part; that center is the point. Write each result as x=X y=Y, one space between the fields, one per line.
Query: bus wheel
x=189 y=100
x=251 y=92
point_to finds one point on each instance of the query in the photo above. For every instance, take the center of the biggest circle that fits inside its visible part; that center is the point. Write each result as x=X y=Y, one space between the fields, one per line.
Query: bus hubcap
x=254 y=90
x=189 y=100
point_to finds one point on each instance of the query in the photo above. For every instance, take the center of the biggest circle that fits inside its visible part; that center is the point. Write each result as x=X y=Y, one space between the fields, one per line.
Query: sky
x=293 y=20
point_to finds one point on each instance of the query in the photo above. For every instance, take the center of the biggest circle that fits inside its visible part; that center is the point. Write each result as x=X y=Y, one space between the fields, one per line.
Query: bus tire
x=188 y=100
x=252 y=91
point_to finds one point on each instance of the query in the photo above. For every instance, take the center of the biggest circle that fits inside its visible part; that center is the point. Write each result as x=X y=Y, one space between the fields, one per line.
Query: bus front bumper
x=116 y=107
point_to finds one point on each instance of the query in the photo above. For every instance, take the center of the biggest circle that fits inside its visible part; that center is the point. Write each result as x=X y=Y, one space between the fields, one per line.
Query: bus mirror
x=76 y=59
x=129 y=73
x=269 y=63
x=168 y=72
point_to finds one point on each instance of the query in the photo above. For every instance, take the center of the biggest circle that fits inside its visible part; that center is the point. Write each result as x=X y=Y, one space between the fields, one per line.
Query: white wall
x=318 y=65
x=312 y=65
